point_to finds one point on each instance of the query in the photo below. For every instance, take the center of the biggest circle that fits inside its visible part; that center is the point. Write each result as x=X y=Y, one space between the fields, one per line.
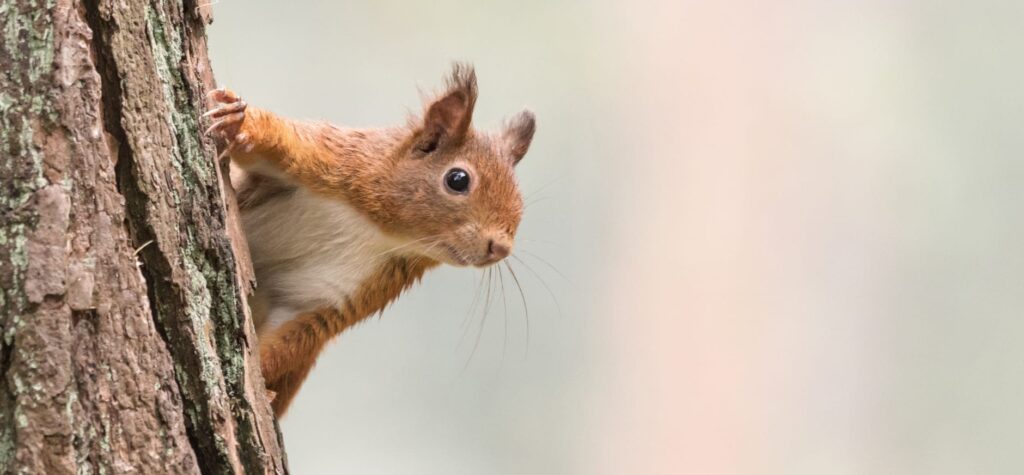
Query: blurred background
x=761 y=237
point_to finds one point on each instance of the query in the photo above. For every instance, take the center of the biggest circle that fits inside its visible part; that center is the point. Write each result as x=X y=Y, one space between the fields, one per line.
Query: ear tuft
x=518 y=134
x=463 y=78
x=449 y=116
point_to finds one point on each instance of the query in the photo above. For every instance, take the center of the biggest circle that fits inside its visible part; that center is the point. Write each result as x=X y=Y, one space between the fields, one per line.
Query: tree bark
x=125 y=340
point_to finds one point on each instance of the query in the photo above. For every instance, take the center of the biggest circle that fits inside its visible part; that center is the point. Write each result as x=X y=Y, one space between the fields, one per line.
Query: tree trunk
x=125 y=340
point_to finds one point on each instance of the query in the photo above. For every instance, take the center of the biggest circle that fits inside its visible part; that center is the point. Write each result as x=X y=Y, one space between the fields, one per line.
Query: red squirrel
x=340 y=221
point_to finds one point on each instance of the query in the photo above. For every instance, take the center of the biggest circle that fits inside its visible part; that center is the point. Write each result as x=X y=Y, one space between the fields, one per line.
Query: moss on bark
x=124 y=338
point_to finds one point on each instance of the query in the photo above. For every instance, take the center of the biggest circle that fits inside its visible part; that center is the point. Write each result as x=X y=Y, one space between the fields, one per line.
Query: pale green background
x=790 y=234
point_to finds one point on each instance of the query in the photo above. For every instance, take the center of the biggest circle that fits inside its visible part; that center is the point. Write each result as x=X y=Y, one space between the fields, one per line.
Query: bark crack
x=138 y=230
x=150 y=57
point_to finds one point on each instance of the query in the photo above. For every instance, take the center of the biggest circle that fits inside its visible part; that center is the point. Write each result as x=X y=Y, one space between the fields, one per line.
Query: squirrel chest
x=309 y=252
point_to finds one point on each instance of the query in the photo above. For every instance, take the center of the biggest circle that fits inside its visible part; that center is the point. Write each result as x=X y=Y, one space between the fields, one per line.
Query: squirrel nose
x=497 y=250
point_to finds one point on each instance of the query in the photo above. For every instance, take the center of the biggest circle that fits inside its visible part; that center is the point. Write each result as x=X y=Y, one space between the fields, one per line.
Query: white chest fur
x=309 y=251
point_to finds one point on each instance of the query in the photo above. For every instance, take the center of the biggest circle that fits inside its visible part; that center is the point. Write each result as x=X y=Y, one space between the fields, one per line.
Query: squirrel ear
x=449 y=116
x=518 y=134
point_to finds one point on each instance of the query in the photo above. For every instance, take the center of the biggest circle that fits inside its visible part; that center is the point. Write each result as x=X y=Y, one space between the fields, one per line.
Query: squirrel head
x=452 y=188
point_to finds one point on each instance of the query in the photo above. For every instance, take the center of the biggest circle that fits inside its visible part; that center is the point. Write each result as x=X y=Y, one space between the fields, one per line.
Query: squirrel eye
x=457 y=180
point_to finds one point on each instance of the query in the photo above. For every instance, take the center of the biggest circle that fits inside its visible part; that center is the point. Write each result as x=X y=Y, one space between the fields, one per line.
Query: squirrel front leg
x=262 y=142
x=288 y=352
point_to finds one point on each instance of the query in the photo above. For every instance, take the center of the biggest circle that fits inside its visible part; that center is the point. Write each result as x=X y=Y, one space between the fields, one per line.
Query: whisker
x=410 y=243
x=490 y=285
x=541 y=241
x=531 y=197
x=504 y=314
x=541 y=279
x=545 y=262
x=544 y=186
x=467 y=322
x=534 y=201
x=526 y=309
x=421 y=257
x=476 y=301
x=483 y=320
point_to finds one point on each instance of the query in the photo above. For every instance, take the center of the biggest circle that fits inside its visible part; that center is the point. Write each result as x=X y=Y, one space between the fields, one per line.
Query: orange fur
x=394 y=177
x=287 y=354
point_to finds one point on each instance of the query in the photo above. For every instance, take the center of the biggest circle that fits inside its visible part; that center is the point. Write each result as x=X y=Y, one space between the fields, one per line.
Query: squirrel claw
x=228 y=113
x=222 y=94
x=226 y=109
x=226 y=122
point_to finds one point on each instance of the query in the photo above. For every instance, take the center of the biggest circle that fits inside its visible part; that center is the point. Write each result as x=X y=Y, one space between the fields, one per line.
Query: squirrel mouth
x=459 y=259
x=455 y=256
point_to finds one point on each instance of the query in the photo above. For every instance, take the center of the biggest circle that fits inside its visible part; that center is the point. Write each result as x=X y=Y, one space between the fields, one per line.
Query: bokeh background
x=762 y=237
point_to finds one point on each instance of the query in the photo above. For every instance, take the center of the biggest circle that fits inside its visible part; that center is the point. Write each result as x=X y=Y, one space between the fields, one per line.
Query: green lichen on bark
x=22 y=102
x=189 y=266
x=189 y=156
x=212 y=272
x=51 y=109
x=27 y=43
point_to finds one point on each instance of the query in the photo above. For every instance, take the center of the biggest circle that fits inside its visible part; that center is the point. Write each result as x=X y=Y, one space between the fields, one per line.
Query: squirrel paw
x=228 y=113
